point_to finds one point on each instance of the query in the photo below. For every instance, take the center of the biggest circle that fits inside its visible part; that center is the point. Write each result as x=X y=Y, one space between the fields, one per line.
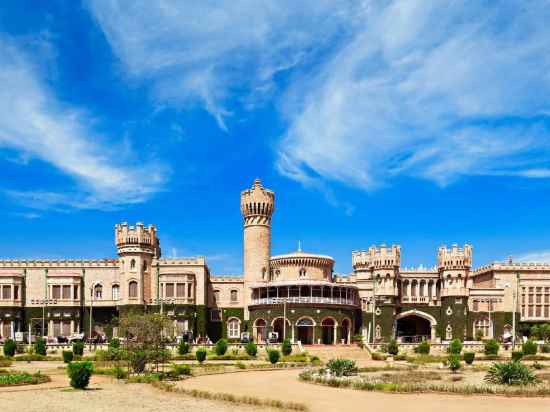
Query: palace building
x=297 y=295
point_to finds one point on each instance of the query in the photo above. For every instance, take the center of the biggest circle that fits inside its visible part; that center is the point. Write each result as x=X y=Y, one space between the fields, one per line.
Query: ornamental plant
x=529 y=348
x=78 y=348
x=393 y=348
x=510 y=373
x=455 y=347
x=423 y=348
x=9 y=348
x=183 y=347
x=67 y=356
x=221 y=347
x=491 y=347
x=517 y=355
x=200 y=354
x=80 y=373
x=138 y=361
x=469 y=357
x=251 y=349
x=286 y=347
x=114 y=343
x=273 y=355
x=454 y=362
x=342 y=367
x=40 y=346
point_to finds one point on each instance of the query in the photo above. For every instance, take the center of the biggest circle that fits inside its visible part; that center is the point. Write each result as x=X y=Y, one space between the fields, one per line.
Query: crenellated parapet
x=137 y=239
x=454 y=258
x=257 y=205
x=382 y=257
x=58 y=263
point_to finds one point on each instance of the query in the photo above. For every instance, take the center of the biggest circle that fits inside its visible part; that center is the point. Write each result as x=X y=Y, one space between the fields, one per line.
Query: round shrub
x=9 y=348
x=182 y=369
x=200 y=354
x=286 y=347
x=251 y=349
x=139 y=361
x=80 y=373
x=67 y=356
x=491 y=347
x=273 y=356
x=454 y=362
x=517 y=355
x=545 y=348
x=510 y=373
x=114 y=343
x=183 y=347
x=78 y=348
x=393 y=347
x=469 y=357
x=455 y=347
x=221 y=347
x=40 y=346
x=529 y=348
x=342 y=367
x=423 y=348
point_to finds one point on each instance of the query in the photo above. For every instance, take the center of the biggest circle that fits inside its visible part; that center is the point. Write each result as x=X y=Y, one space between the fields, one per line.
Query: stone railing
x=306 y=299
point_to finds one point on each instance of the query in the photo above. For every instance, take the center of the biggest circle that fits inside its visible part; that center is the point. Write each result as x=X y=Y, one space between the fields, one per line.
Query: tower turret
x=257 y=206
x=380 y=264
x=454 y=266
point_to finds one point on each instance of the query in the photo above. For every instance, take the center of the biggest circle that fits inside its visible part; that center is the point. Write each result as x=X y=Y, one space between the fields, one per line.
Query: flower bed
x=22 y=378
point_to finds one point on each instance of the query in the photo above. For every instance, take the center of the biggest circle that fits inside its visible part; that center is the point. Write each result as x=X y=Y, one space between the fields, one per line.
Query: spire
x=299 y=246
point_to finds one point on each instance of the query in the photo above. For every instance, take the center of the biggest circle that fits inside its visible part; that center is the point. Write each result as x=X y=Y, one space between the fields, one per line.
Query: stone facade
x=296 y=295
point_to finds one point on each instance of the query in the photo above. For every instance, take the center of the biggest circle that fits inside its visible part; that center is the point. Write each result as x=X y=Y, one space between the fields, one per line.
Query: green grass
x=22 y=378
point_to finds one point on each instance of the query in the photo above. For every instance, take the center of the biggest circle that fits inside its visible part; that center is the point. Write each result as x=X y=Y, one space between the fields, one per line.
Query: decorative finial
x=299 y=246
x=257 y=182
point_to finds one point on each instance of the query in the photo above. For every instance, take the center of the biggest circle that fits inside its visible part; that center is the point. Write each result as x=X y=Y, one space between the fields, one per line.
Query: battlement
x=454 y=257
x=257 y=204
x=513 y=267
x=137 y=238
x=382 y=257
x=58 y=263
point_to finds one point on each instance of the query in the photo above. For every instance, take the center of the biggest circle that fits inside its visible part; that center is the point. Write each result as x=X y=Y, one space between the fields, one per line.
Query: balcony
x=416 y=299
x=306 y=299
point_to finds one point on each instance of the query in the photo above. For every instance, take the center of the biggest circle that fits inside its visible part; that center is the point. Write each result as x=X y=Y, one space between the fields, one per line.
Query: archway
x=328 y=331
x=304 y=328
x=345 y=331
x=414 y=326
x=260 y=330
x=278 y=326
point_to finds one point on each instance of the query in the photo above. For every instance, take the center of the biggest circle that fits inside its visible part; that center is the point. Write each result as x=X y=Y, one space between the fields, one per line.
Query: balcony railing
x=415 y=299
x=306 y=299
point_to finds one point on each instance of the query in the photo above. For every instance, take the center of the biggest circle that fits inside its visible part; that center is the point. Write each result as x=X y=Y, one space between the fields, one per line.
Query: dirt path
x=284 y=385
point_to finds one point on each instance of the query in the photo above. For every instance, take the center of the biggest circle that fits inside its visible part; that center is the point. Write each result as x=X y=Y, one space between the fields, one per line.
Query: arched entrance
x=414 y=326
x=260 y=330
x=278 y=326
x=345 y=331
x=328 y=331
x=304 y=328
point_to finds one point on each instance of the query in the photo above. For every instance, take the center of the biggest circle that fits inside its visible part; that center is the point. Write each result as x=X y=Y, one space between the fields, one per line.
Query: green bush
x=510 y=373
x=40 y=346
x=9 y=348
x=181 y=369
x=286 y=347
x=67 y=356
x=251 y=349
x=358 y=339
x=114 y=343
x=139 y=361
x=455 y=347
x=78 y=348
x=342 y=367
x=119 y=373
x=315 y=361
x=517 y=355
x=393 y=347
x=183 y=347
x=221 y=347
x=529 y=348
x=423 y=348
x=273 y=355
x=491 y=347
x=469 y=357
x=200 y=354
x=454 y=362
x=479 y=334
x=545 y=348
x=80 y=373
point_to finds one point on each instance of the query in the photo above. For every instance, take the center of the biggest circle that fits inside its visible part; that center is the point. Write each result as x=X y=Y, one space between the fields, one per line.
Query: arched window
x=305 y=322
x=482 y=327
x=115 y=292
x=98 y=291
x=263 y=273
x=234 y=296
x=302 y=273
x=133 y=289
x=133 y=264
x=233 y=328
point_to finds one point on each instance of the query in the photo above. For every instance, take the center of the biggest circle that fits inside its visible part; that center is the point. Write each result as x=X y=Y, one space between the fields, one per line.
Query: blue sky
x=410 y=122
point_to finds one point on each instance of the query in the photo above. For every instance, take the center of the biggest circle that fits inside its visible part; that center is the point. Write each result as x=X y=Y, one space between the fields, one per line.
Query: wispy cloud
x=34 y=123
x=205 y=52
x=426 y=89
x=542 y=256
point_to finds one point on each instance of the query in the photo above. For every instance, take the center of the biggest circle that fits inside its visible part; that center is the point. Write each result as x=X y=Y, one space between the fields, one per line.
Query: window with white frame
x=233 y=328
x=482 y=326
x=98 y=292
x=115 y=292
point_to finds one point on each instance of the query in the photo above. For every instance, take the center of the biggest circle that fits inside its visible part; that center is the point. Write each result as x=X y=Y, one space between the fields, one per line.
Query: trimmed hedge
x=78 y=348
x=469 y=357
x=80 y=373
x=286 y=347
x=491 y=347
x=251 y=348
x=200 y=354
x=529 y=348
x=9 y=348
x=221 y=347
x=273 y=355
x=455 y=347
x=67 y=356
x=40 y=347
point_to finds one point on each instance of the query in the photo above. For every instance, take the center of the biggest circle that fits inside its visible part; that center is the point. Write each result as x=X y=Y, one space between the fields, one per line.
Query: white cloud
x=434 y=90
x=541 y=256
x=36 y=124
x=203 y=52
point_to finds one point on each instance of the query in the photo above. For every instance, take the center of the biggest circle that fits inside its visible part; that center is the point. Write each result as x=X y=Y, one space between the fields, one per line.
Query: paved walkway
x=284 y=385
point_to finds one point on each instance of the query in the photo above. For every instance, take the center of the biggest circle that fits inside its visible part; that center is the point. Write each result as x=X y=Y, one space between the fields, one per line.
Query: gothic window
x=216 y=296
x=215 y=315
x=233 y=328
x=115 y=292
x=98 y=292
x=234 y=296
x=133 y=264
x=449 y=332
x=133 y=289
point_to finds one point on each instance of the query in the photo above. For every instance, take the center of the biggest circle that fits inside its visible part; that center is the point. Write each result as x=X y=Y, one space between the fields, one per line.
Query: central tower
x=257 y=206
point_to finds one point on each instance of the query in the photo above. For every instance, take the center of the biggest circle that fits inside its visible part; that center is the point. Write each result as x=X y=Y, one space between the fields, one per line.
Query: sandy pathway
x=284 y=385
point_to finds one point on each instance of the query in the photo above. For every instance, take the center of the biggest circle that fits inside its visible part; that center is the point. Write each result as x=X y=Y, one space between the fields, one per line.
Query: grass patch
x=22 y=378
